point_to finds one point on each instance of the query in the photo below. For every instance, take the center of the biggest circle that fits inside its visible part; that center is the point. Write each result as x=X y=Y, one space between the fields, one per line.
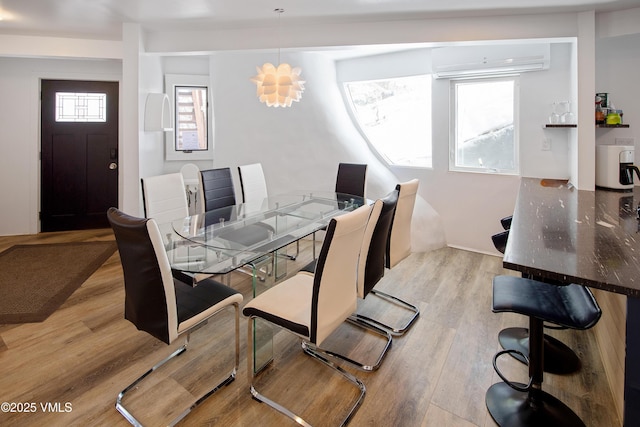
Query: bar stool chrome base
x=512 y=408
x=558 y=357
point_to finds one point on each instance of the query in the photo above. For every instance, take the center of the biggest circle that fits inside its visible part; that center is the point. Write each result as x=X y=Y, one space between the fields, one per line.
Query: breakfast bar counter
x=590 y=238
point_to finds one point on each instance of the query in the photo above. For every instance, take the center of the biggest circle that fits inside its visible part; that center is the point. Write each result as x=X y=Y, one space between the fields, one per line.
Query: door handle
x=113 y=166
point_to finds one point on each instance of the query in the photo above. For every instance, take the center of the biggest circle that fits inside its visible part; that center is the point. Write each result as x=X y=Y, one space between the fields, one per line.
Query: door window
x=81 y=107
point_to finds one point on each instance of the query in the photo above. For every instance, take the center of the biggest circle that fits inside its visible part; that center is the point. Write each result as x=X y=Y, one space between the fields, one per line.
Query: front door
x=79 y=154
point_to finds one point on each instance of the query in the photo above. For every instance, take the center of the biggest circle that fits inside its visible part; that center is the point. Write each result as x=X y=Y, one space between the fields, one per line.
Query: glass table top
x=224 y=239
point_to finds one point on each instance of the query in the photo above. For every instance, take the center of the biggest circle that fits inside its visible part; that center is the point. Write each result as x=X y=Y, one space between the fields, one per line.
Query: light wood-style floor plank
x=435 y=375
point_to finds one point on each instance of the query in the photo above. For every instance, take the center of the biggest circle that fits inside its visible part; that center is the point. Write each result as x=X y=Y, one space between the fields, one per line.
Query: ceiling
x=102 y=19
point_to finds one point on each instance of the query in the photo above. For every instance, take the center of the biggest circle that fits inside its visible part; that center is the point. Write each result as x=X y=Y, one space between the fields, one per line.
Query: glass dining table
x=250 y=235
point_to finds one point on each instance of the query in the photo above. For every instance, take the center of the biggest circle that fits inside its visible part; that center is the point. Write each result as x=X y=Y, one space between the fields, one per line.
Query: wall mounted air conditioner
x=487 y=60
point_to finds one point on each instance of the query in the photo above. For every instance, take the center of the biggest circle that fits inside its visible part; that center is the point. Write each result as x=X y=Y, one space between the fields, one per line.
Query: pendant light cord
x=279 y=11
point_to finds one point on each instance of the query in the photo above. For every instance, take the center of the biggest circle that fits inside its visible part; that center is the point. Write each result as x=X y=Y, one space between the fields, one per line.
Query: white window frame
x=453 y=143
x=170 y=82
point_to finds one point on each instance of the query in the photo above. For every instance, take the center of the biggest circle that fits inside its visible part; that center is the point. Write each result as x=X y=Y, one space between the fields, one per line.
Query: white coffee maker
x=614 y=167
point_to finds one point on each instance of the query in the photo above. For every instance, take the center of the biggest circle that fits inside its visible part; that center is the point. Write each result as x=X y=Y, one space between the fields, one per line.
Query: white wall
x=470 y=204
x=190 y=65
x=20 y=131
x=454 y=196
x=299 y=147
x=617 y=66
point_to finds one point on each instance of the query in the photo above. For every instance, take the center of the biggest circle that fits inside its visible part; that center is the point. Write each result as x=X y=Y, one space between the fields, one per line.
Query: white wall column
x=129 y=156
x=583 y=152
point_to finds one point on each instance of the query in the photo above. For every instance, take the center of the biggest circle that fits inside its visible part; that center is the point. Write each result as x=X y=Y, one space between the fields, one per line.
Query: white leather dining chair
x=165 y=197
x=165 y=200
x=254 y=189
x=252 y=182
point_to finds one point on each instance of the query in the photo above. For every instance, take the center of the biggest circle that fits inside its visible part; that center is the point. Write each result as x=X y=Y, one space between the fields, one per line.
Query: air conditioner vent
x=472 y=61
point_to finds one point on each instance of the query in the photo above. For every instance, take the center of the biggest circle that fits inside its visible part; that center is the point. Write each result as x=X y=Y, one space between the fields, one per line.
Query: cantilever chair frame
x=399 y=233
x=363 y=322
x=126 y=413
x=316 y=331
x=370 y=270
x=119 y=219
x=372 y=258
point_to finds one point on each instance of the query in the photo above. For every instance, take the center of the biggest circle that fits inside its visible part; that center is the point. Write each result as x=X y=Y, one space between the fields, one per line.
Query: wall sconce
x=157 y=113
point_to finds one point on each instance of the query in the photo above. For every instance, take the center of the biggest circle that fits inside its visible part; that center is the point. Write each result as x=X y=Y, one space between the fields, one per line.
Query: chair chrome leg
x=364 y=325
x=120 y=407
x=395 y=300
x=313 y=353
x=228 y=380
x=349 y=377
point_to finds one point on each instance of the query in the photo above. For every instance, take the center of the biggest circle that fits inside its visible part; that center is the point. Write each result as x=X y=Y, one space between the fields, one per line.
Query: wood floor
x=436 y=375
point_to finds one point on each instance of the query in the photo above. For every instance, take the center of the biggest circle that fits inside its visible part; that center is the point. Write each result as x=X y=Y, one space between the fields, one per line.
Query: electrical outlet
x=625 y=141
x=546 y=144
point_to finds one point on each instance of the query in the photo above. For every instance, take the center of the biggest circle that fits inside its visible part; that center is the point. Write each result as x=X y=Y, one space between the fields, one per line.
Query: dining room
x=438 y=373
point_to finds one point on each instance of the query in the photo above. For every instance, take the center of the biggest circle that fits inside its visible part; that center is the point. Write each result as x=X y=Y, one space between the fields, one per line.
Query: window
x=394 y=115
x=191 y=136
x=81 y=107
x=484 y=125
x=190 y=118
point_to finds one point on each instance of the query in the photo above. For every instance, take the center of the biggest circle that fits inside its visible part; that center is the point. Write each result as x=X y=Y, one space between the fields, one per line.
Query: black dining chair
x=312 y=306
x=351 y=180
x=217 y=188
x=161 y=305
x=218 y=193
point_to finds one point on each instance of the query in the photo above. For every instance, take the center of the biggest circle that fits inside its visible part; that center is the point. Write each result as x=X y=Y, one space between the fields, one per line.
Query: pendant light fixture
x=278 y=86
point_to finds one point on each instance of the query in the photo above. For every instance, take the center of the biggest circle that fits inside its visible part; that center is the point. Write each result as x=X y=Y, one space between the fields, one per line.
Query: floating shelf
x=561 y=125
x=565 y=125
x=613 y=126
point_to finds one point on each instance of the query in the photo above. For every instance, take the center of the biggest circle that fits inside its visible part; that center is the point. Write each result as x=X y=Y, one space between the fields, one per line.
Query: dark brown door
x=79 y=145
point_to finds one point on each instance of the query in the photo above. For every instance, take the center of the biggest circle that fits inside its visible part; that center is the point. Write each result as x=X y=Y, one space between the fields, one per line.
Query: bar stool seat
x=558 y=357
x=506 y=222
x=572 y=306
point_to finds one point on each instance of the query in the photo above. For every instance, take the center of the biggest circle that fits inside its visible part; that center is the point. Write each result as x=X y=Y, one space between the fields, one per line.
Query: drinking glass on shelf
x=554 y=117
x=566 y=116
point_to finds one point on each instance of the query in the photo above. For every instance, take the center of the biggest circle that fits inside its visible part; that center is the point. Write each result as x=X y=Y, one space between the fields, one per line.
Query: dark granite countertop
x=575 y=236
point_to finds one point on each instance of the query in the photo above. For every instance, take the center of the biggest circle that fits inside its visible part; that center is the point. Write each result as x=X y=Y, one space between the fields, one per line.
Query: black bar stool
x=506 y=222
x=572 y=306
x=559 y=358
